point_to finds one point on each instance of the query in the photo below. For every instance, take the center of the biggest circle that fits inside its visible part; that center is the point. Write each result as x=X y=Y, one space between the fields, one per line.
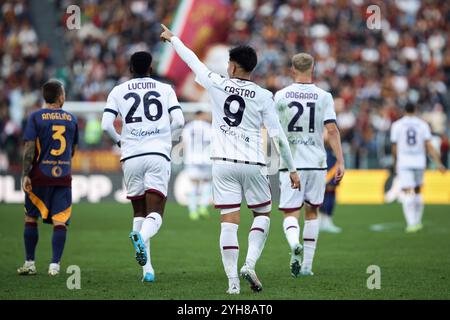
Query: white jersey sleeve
x=204 y=76
x=276 y=133
x=329 y=111
x=109 y=115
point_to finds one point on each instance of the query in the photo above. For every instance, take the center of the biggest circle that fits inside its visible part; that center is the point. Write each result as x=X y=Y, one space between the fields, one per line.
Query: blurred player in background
x=51 y=137
x=150 y=115
x=326 y=223
x=196 y=141
x=240 y=109
x=304 y=111
x=411 y=141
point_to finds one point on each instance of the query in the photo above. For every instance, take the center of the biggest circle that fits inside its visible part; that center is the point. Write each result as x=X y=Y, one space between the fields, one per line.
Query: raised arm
x=187 y=55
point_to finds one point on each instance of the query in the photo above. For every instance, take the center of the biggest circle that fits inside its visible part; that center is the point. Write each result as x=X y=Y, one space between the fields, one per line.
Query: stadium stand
x=371 y=73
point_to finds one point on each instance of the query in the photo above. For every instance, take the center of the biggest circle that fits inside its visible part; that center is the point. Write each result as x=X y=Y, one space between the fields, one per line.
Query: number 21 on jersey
x=300 y=110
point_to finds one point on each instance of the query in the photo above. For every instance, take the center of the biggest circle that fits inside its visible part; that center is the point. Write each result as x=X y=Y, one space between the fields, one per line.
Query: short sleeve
x=30 y=133
x=173 y=103
x=329 y=112
x=394 y=133
x=111 y=104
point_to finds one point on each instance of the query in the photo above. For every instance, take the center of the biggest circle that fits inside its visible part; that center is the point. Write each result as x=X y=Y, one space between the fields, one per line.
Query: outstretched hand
x=166 y=34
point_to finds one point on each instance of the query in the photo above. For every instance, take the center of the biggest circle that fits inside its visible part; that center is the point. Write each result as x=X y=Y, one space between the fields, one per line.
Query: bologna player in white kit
x=150 y=114
x=196 y=141
x=411 y=140
x=240 y=109
x=305 y=110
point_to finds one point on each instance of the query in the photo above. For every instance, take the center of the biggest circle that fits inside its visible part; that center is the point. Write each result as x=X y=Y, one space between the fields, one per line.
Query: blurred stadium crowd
x=371 y=73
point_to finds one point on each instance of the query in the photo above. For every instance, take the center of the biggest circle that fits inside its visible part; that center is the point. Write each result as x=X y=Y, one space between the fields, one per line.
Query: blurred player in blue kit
x=51 y=137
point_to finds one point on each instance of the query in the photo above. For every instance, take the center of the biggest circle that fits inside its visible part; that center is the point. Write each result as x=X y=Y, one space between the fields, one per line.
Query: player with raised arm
x=240 y=109
x=150 y=115
x=411 y=141
x=197 y=140
x=51 y=137
x=305 y=110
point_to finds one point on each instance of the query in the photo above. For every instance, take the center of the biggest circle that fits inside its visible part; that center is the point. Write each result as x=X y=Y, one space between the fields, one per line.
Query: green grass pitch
x=187 y=261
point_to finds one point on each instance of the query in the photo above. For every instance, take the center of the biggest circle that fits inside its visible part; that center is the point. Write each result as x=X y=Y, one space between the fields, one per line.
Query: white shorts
x=313 y=183
x=146 y=174
x=199 y=171
x=410 y=178
x=233 y=180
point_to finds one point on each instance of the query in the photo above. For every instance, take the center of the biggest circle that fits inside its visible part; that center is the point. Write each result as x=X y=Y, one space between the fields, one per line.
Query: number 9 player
x=240 y=109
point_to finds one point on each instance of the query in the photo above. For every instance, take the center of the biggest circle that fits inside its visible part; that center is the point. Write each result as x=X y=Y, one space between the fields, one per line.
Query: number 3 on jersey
x=58 y=134
x=148 y=101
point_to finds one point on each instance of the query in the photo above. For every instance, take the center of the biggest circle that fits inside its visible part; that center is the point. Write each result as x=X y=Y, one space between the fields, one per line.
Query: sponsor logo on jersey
x=234 y=133
x=298 y=141
x=144 y=133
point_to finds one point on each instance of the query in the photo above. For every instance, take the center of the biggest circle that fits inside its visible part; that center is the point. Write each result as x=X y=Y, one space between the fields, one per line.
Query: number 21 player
x=240 y=109
x=305 y=110
x=150 y=114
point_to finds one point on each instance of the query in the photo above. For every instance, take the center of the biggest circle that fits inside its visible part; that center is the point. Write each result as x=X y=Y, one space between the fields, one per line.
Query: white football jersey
x=304 y=109
x=144 y=104
x=410 y=134
x=240 y=109
x=197 y=140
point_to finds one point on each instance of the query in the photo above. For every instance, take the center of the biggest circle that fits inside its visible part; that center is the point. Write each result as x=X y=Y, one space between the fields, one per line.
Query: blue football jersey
x=55 y=132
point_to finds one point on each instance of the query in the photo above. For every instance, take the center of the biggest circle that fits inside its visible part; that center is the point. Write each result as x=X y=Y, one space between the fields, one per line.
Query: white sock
x=409 y=210
x=205 y=193
x=150 y=226
x=229 y=247
x=292 y=231
x=418 y=207
x=256 y=239
x=148 y=266
x=137 y=223
x=310 y=236
x=193 y=199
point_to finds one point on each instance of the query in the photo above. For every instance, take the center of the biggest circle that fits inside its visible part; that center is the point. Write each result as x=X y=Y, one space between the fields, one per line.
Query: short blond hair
x=302 y=62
